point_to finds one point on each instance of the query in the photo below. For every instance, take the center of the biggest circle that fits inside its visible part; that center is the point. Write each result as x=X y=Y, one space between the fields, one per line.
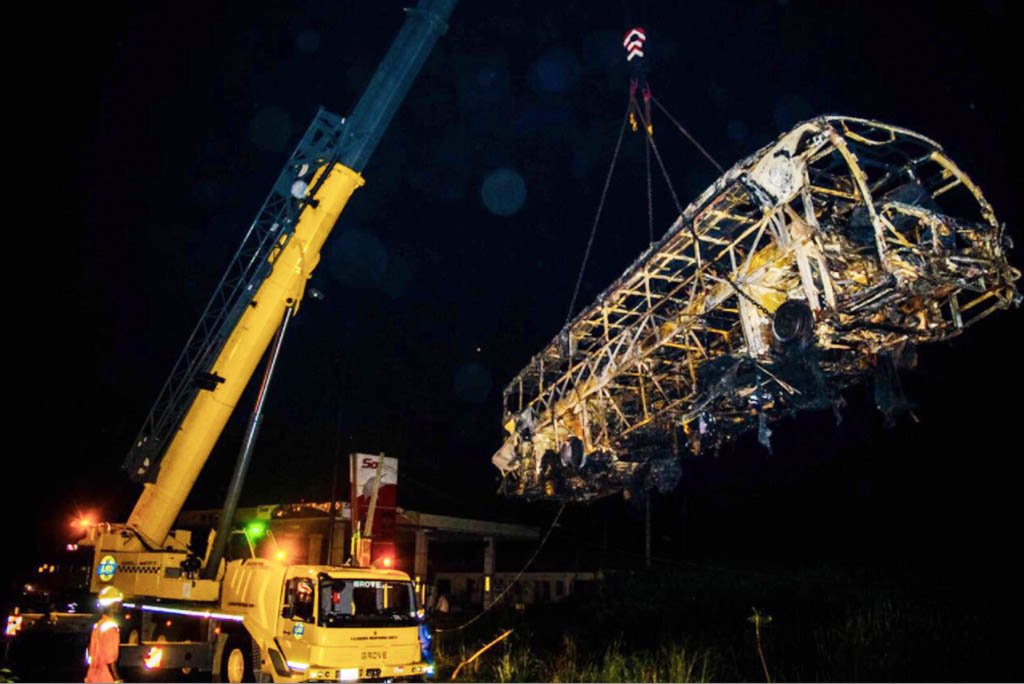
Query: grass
x=693 y=626
x=517 y=662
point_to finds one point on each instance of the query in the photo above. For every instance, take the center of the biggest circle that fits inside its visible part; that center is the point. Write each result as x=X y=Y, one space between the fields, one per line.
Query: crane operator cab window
x=365 y=602
x=298 y=599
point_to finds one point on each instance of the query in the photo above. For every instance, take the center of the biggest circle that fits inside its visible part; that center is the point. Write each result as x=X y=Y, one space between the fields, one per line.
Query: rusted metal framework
x=816 y=261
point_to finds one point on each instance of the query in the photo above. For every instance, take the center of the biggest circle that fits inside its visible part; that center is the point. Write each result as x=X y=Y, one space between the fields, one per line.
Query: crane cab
x=328 y=623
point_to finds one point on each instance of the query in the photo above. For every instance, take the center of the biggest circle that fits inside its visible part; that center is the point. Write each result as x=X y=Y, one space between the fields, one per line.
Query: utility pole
x=647 y=531
x=604 y=536
x=330 y=514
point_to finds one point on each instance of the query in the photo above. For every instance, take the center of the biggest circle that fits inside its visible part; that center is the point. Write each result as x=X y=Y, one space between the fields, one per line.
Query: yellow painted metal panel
x=161 y=501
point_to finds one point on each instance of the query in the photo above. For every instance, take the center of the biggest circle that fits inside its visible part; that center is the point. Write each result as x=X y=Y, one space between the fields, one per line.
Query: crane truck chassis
x=293 y=623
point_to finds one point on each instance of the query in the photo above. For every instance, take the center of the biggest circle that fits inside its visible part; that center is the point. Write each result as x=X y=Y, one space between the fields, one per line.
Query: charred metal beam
x=800 y=271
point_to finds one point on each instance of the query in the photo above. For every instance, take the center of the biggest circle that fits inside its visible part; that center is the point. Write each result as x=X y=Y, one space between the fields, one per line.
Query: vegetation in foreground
x=695 y=625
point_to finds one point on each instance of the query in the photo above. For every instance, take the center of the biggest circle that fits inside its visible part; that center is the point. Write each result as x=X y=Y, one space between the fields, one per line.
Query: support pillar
x=339 y=542
x=316 y=542
x=419 y=566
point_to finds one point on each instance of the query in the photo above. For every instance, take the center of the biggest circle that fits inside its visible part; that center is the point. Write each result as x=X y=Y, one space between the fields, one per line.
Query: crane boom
x=278 y=256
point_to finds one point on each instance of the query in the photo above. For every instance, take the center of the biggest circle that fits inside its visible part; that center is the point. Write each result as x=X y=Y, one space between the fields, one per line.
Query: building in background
x=469 y=561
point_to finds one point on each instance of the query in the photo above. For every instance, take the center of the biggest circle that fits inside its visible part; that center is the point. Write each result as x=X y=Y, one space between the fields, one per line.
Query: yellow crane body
x=292 y=263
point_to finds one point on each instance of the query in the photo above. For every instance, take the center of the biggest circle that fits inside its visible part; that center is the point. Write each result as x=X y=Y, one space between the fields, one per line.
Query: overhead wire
x=515 y=580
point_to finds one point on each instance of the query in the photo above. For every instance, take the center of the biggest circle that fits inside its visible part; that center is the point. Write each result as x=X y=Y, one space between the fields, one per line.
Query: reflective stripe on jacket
x=104 y=646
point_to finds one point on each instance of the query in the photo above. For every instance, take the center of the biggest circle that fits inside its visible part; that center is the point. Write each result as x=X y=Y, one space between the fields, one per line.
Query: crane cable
x=707 y=155
x=675 y=198
x=633 y=113
x=657 y=155
x=648 y=128
x=600 y=209
x=650 y=139
x=650 y=194
x=499 y=597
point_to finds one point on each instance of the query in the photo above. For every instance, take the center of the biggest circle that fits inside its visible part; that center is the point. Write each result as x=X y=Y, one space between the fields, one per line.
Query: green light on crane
x=255 y=530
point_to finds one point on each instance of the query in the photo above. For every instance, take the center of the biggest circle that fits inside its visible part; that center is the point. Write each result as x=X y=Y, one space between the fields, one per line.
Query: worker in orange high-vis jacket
x=105 y=642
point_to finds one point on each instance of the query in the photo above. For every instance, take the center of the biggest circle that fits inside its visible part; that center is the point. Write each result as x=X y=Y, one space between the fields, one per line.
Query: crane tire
x=236 y=660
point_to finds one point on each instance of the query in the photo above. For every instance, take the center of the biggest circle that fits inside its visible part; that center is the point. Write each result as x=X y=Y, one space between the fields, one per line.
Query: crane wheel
x=236 y=660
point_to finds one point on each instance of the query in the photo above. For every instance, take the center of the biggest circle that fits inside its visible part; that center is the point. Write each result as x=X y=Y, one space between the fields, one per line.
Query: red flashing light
x=153 y=658
x=386 y=562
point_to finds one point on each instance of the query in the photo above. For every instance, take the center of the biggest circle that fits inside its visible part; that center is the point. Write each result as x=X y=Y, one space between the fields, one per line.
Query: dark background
x=163 y=127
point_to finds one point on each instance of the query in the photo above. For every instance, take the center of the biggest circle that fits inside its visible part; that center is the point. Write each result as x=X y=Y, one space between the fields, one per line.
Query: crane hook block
x=634 y=43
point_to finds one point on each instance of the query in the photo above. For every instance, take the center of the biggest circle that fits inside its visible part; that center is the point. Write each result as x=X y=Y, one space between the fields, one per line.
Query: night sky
x=176 y=118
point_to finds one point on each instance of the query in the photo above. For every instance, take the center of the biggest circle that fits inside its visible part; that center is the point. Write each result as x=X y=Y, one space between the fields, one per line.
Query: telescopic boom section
x=204 y=394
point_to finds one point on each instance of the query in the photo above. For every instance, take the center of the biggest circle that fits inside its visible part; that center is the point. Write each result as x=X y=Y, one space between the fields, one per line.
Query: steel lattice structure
x=250 y=266
x=816 y=261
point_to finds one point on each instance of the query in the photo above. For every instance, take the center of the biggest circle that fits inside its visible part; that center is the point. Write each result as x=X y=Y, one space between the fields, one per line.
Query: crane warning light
x=153 y=658
x=255 y=530
x=280 y=555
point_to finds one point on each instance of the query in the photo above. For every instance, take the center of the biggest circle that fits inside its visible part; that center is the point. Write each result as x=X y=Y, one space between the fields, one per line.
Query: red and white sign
x=634 y=43
x=363 y=475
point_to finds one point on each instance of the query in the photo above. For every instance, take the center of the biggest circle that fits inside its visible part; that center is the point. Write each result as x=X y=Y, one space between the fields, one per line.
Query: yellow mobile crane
x=255 y=617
